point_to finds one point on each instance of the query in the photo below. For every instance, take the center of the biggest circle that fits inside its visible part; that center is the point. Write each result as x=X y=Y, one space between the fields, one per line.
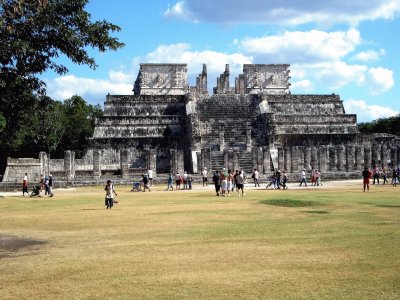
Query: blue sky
x=350 y=48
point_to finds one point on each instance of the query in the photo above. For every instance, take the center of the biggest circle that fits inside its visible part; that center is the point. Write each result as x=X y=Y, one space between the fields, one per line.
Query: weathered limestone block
x=358 y=158
x=368 y=157
x=384 y=155
x=332 y=159
x=153 y=161
x=124 y=163
x=307 y=157
x=341 y=160
x=69 y=162
x=322 y=159
x=350 y=157
x=393 y=156
x=221 y=141
x=295 y=160
x=287 y=160
x=374 y=154
x=281 y=158
x=266 y=160
x=314 y=157
x=96 y=163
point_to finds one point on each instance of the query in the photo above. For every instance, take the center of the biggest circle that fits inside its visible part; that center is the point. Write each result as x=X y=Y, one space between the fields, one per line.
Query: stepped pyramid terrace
x=168 y=126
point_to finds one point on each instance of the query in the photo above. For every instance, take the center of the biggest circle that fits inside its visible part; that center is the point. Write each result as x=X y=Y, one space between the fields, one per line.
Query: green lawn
x=296 y=244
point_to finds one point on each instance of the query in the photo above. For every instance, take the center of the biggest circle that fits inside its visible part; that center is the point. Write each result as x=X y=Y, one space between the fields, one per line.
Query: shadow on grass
x=388 y=205
x=10 y=244
x=321 y=212
x=290 y=203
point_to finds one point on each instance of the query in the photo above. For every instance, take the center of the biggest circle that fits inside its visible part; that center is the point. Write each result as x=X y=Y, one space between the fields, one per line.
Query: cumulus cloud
x=302 y=86
x=292 y=12
x=367 y=113
x=92 y=90
x=179 y=11
x=379 y=80
x=303 y=46
x=182 y=53
x=369 y=56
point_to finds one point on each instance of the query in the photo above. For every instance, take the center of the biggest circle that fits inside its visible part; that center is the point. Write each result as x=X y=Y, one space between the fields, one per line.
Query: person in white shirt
x=205 y=180
x=150 y=176
x=303 y=177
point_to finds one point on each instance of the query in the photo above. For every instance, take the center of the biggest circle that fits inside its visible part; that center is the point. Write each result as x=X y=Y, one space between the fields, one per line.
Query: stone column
x=288 y=160
x=332 y=159
x=96 y=163
x=340 y=158
x=254 y=154
x=248 y=137
x=350 y=158
x=322 y=159
x=374 y=154
x=359 y=158
x=384 y=156
x=180 y=160
x=266 y=160
x=260 y=160
x=295 y=160
x=172 y=162
x=367 y=157
x=124 y=164
x=393 y=156
x=314 y=157
x=153 y=161
x=281 y=158
x=307 y=157
x=199 y=162
x=226 y=159
x=43 y=163
x=207 y=158
x=236 y=159
x=221 y=141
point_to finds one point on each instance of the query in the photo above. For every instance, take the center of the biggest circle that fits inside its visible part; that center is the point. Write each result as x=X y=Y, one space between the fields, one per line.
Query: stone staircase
x=228 y=114
x=246 y=161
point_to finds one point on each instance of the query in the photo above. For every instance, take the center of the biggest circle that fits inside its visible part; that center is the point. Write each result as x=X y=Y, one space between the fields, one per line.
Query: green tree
x=79 y=124
x=389 y=125
x=33 y=35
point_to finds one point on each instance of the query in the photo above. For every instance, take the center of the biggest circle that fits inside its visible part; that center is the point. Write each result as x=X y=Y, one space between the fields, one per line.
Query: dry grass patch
x=169 y=245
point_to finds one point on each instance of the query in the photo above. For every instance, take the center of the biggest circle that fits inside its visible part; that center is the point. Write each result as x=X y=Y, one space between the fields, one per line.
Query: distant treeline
x=50 y=126
x=389 y=125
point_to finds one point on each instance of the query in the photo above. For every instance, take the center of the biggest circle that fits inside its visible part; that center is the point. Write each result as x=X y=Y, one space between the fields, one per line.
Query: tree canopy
x=389 y=125
x=33 y=36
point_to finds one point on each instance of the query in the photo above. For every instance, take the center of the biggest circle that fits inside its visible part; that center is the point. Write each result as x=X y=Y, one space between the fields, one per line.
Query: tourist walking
x=317 y=175
x=185 y=180
x=366 y=174
x=189 y=181
x=178 y=180
x=25 y=185
x=384 y=176
x=376 y=174
x=240 y=184
x=145 y=181
x=110 y=192
x=224 y=181
x=150 y=176
x=255 y=177
x=204 y=174
x=50 y=184
x=303 y=178
x=229 y=180
x=217 y=182
x=169 y=182
x=285 y=179
x=395 y=177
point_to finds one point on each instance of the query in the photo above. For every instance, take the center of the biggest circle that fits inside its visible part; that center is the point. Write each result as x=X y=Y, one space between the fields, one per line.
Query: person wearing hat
x=204 y=174
x=303 y=177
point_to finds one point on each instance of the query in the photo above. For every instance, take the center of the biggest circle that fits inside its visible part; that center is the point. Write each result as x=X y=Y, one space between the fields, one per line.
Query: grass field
x=330 y=243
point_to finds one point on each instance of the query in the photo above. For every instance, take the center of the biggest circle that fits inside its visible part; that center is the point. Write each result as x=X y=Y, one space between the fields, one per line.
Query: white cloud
x=369 y=56
x=179 y=11
x=121 y=77
x=302 y=86
x=367 y=113
x=379 y=80
x=92 y=90
x=303 y=46
x=182 y=53
x=285 y=12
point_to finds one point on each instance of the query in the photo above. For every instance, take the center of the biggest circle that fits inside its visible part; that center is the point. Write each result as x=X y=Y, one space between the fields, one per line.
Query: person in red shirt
x=366 y=174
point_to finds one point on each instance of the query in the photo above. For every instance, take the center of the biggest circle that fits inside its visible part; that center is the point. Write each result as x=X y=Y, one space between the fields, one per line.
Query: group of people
x=376 y=174
x=45 y=185
x=225 y=182
x=278 y=180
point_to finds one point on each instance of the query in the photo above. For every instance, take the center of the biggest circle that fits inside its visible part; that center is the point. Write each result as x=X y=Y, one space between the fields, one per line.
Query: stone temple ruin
x=168 y=126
